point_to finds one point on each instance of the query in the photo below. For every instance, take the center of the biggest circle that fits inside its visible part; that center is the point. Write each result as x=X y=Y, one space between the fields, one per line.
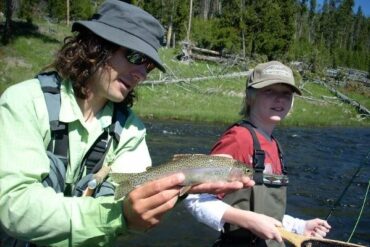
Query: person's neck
x=268 y=128
x=90 y=107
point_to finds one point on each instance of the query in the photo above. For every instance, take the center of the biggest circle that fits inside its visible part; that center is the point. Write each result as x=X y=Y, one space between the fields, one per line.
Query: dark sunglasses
x=138 y=58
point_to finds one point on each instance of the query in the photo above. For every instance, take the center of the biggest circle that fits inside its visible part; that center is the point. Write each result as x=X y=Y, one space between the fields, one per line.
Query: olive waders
x=266 y=197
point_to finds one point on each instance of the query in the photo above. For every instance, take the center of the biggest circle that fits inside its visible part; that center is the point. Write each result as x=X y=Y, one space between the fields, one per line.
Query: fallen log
x=360 y=108
x=208 y=58
x=201 y=78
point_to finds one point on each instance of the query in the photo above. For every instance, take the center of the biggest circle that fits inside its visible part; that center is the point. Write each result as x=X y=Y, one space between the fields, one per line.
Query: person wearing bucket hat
x=116 y=22
x=74 y=125
x=251 y=216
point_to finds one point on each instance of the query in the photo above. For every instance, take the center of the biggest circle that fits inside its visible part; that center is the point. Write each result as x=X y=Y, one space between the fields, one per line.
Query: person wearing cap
x=250 y=217
x=98 y=69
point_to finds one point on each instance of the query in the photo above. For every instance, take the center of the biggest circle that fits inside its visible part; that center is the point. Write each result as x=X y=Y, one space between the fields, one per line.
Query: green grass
x=222 y=105
x=363 y=99
x=216 y=100
x=208 y=101
x=29 y=52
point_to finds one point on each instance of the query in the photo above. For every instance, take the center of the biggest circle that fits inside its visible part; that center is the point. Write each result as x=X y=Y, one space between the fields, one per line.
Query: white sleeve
x=295 y=225
x=207 y=209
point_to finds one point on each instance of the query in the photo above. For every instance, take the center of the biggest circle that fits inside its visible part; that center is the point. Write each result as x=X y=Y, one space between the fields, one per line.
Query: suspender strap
x=94 y=158
x=258 y=153
x=119 y=118
x=281 y=155
x=50 y=85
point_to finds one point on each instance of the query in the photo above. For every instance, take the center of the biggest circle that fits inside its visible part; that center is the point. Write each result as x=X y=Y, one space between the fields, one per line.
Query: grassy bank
x=221 y=101
x=217 y=100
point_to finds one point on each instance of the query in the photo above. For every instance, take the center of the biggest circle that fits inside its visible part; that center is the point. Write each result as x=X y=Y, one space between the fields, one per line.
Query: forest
x=330 y=34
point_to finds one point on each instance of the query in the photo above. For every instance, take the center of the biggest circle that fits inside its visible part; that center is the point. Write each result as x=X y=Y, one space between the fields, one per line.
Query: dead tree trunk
x=67 y=12
x=189 y=24
x=7 y=32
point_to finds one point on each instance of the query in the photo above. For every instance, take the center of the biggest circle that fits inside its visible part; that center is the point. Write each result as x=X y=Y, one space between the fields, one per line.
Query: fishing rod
x=337 y=202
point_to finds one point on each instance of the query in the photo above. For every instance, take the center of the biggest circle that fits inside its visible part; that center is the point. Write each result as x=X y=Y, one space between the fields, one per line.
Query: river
x=321 y=163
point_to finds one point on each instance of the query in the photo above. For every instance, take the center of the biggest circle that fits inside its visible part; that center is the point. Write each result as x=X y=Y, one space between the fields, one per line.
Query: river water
x=321 y=163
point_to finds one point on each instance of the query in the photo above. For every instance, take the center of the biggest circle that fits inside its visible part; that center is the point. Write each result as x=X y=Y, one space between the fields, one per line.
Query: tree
x=301 y=18
x=311 y=20
x=8 y=22
x=27 y=9
x=275 y=28
x=345 y=19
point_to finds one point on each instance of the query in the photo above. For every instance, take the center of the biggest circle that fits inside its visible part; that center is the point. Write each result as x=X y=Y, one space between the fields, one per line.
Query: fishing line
x=346 y=188
x=359 y=215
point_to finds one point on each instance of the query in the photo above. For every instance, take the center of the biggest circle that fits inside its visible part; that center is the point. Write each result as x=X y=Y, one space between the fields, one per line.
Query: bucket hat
x=273 y=72
x=128 y=26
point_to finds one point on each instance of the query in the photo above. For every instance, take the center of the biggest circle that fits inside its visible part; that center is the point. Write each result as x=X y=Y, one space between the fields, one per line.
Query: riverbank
x=217 y=100
x=220 y=101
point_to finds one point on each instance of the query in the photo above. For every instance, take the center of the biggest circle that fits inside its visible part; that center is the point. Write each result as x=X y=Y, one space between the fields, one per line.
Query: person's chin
x=275 y=119
x=118 y=98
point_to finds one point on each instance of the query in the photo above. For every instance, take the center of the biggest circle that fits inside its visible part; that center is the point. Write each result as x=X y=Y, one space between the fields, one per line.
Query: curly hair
x=80 y=56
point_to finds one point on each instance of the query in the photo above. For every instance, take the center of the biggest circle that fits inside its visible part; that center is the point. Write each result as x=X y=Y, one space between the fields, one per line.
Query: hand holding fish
x=144 y=206
x=221 y=187
x=149 y=195
x=203 y=174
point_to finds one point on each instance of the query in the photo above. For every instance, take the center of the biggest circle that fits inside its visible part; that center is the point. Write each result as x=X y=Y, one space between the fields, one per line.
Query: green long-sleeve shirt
x=32 y=212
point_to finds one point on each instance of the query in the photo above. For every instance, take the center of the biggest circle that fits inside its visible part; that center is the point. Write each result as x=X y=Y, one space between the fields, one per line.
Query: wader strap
x=258 y=153
x=50 y=85
x=281 y=155
x=94 y=158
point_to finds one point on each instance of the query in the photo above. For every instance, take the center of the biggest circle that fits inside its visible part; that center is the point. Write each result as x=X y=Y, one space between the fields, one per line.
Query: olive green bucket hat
x=128 y=26
x=274 y=72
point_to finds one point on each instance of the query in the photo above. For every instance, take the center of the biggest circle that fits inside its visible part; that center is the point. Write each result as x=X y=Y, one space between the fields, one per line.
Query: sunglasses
x=138 y=58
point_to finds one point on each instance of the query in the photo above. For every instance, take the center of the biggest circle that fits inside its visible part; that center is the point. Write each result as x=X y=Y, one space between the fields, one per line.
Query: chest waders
x=57 y=150
x=263 y=198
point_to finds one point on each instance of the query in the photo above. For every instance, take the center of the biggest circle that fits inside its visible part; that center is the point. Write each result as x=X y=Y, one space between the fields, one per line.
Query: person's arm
x=207 y=209
x=214 y=213
x=261 y=225
x=28 y=210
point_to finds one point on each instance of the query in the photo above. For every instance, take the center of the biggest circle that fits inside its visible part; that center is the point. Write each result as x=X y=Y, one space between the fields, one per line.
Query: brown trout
x=197 y=168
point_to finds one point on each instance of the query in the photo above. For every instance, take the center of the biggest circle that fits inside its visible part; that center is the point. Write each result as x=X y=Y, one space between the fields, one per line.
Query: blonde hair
x=249 y=98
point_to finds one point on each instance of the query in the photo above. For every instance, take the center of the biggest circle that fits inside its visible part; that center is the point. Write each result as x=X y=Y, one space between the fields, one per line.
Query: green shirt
x=32 y=212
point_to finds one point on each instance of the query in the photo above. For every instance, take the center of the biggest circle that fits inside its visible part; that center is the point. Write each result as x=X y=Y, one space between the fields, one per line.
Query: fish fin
x=119 y=177
x=122 y=189
x=182 y=156
x=124 y=183
x=185 y=190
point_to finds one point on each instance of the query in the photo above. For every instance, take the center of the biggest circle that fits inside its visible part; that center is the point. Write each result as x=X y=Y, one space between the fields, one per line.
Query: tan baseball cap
x=273 y=72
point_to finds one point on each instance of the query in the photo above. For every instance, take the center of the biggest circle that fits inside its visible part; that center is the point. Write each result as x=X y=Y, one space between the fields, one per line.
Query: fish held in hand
x=197 y=168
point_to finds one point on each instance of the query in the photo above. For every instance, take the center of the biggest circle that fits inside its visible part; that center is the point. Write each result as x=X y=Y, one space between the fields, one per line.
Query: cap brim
x=122 y=38
x=266 y=83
